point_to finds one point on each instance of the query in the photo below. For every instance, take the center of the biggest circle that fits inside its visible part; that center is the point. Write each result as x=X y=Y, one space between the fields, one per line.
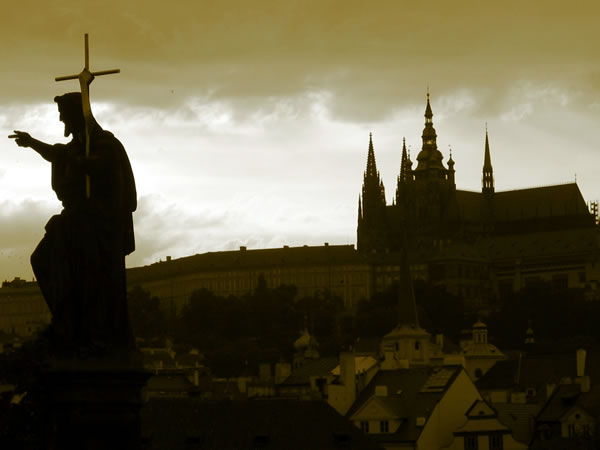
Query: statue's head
x=71 y=113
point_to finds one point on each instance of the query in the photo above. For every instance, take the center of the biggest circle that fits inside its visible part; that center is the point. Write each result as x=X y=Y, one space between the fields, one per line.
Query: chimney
x=582 y=379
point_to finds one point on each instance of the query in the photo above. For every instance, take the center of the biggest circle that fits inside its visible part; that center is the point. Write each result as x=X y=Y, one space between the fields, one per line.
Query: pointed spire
x=488 y=171
x=404 y=163
x=429 y=157
x=371 y=165
x=428 y=111
x=487 y=163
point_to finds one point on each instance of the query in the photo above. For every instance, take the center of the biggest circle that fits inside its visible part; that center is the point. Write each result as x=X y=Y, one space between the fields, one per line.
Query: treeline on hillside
x=236 y=333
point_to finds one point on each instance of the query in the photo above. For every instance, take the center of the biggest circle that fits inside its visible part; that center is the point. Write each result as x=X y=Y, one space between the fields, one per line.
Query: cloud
x=22 y=225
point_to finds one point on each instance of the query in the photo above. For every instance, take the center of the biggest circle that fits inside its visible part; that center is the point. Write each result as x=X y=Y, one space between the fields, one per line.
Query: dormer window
x=384 y=426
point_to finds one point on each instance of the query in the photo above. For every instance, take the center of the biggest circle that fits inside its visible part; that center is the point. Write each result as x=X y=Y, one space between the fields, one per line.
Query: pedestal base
x=93 y=406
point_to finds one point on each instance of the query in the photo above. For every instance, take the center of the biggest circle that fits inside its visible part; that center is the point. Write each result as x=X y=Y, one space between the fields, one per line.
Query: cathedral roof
x=525 y=204
x=545 y=201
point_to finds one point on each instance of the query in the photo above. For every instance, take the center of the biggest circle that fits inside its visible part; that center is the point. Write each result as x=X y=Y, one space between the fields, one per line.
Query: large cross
x=85 y=78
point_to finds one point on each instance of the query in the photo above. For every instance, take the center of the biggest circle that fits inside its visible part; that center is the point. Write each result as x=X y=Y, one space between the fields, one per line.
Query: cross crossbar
x=85 y=78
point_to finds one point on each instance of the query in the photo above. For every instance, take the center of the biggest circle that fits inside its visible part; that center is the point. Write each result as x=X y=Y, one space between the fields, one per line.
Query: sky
x=247 y=122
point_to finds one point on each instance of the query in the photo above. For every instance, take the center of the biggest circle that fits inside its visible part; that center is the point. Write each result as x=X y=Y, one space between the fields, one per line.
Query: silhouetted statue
x=80 y=262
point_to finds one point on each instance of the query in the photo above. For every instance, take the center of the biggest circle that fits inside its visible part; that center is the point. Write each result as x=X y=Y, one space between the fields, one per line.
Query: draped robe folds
x=80 y=262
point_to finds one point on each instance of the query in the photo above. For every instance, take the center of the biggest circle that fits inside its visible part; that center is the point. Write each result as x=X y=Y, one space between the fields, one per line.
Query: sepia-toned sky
x=247 y=122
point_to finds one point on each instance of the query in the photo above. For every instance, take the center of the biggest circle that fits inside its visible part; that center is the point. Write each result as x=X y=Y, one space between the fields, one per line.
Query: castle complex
x=479 y=245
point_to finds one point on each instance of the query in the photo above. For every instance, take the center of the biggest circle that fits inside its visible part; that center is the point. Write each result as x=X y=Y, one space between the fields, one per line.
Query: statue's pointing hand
x=22 y=138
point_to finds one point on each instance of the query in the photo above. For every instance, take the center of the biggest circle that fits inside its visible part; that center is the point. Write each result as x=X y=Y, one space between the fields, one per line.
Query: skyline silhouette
x=250 y=126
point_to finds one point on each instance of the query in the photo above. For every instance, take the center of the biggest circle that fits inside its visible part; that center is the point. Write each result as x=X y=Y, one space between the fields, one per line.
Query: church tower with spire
x=407 y=345
x=487 y=189
x=372 y=230
x=434 y=183
x=487 y=180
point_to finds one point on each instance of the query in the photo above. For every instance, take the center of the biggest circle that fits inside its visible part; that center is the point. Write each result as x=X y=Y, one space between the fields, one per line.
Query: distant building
x=414 y=408
x=480 y=355
x=482 y=430
x=571 y=415
x=23 y=311
x=478 y=245
x=337 y=269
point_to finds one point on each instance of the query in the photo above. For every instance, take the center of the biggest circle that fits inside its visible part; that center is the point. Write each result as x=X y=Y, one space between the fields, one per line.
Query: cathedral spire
x=404 y=177
x=371 y=218
x=429 y=157
x=371 y=166
x=404 y=163
x=488 y=171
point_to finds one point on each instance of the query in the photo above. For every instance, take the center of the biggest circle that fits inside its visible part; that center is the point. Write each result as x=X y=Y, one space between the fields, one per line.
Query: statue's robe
x=80 y=262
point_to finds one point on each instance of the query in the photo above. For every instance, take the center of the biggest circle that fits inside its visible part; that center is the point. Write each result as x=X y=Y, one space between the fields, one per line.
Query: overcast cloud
x=247 y=122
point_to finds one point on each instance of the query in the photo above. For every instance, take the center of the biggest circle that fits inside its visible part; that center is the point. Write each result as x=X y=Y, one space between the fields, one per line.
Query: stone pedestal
x=92 y=406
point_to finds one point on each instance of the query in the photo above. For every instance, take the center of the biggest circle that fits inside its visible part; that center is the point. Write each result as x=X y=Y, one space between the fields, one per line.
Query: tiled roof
x=519 y=418
x=545 y=201
x=277 y=424
x=525 y=204
x=410 y=392
x=565 y=397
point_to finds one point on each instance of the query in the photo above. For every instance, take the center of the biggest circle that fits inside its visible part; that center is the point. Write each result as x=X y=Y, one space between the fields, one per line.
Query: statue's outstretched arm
x=24 y=139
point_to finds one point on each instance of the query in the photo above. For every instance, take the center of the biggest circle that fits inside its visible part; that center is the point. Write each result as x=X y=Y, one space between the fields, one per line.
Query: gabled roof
x=481 y=416
x=481 y=408
x=411 y=393
x=568 y=397
x=176 y=424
